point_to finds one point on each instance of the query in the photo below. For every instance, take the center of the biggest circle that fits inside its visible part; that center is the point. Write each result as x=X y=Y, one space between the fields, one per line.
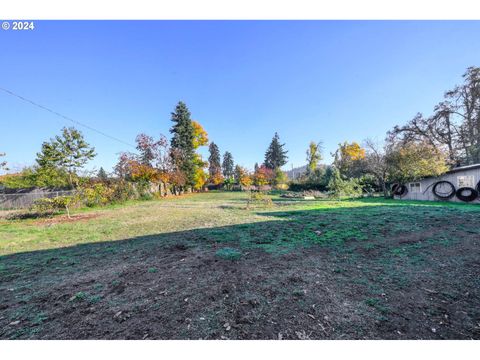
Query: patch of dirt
x=59 y=219
x=147 y=288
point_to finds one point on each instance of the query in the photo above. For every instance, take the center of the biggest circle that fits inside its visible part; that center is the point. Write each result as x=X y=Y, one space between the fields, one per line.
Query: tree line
x=174 y=163
x=424 y=146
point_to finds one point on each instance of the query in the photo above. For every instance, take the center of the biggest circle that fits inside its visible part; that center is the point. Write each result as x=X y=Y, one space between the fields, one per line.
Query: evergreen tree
x=238 y=172
x=227 y=165
x=255 y=168
x=276 y=155
x=102 y=174
x=214 y=168
x=182 y=143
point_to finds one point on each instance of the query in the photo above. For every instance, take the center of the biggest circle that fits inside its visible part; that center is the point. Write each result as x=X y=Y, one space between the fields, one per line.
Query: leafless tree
x=376 y=162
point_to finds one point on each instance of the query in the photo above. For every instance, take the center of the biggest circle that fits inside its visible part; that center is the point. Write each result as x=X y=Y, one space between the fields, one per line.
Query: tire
x=467 y=198
x=399 y=190
x=444 y=196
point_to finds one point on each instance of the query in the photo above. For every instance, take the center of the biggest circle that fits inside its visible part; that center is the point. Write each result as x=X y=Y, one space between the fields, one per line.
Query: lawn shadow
x=344 y=266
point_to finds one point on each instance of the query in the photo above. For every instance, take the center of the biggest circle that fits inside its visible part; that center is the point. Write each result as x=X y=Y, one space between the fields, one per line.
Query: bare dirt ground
x=385 y=282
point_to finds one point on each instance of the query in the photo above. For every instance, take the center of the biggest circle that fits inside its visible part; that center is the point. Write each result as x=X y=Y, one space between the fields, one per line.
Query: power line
x=65 y=117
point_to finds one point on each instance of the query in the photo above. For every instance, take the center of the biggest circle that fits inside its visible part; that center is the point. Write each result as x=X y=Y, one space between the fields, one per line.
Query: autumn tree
x=163 y=161
x=314 y=156
x=200 y=136
x=142 y=173
x=415 y=160
x=215 y=167
x=123 y=166
x=348 y=159
x=276 y=155
x=242 y=177
x=376 y=163
x=263 y=176
x=182 y=142
x=227 y=165
x=68 y=151
x=146 y=147
x=454 y=126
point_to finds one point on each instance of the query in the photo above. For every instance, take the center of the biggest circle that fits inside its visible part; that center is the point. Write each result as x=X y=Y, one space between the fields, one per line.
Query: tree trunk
x=384 y=188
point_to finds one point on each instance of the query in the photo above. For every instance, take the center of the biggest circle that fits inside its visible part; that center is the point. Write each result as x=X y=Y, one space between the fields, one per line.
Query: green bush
x=123 y=191
x=35 y=176
x=96 y=194
x=340 y=187
x=53 y=205
x=228 y=253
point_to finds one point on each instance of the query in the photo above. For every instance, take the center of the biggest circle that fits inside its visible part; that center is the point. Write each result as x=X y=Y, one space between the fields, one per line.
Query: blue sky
x=327 y=81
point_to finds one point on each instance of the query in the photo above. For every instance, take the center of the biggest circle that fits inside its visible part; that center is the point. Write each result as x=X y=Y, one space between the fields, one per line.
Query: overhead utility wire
x=65 y=117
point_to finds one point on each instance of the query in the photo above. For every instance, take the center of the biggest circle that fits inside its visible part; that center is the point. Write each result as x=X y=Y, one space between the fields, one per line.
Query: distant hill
x=297 y=172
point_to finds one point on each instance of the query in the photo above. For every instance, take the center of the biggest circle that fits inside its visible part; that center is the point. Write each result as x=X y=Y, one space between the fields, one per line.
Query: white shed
x=461 y=184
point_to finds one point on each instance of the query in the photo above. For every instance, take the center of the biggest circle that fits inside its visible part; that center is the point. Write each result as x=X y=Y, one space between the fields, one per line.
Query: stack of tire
x=466 y=194
x=443 y=190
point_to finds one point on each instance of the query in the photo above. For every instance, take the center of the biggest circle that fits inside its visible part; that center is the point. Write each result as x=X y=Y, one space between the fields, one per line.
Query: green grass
x=228 y=253
x=144 y=255
x=222 y=217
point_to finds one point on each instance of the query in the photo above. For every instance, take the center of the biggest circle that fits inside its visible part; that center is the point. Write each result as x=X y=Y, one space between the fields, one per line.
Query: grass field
x=204 y=266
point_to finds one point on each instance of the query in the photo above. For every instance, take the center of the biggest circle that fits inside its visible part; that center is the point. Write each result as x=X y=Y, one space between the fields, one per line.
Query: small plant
x=371 y=302
x=228 y=253
x=152 y=270
x=52 y=205
x=259 y=197
x=79 y=296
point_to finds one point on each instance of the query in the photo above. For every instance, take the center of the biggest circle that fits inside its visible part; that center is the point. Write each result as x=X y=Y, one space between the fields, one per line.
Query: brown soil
x=138 y=289
x=59 y=219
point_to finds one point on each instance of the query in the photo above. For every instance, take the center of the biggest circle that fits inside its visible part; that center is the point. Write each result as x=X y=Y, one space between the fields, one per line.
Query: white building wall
x=426 y=192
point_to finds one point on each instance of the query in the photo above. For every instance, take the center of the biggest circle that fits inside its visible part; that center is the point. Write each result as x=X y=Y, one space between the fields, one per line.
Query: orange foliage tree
x=349 y=159
x=263 y=176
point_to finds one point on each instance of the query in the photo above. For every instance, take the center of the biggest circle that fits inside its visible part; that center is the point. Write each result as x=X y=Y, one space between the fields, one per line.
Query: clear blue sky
x=327 y=81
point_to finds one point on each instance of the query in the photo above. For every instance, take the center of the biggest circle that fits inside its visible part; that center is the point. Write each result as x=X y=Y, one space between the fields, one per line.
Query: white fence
x=25 y=200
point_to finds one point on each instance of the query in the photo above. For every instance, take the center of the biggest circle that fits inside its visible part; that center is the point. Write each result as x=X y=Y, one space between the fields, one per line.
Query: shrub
x=96 y=194
x=35 y=176
x=52 y=205
x=123 y=191
x=339 y=187
x=259 y=197
x=306 y=186
x=228 y=253
x=302 y=194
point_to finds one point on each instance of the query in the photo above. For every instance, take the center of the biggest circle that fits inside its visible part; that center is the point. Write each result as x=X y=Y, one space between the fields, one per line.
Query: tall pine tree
x=102 y=174
x=182 y=143
x=214 y=167
x=227 y=165
x=276 y=155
